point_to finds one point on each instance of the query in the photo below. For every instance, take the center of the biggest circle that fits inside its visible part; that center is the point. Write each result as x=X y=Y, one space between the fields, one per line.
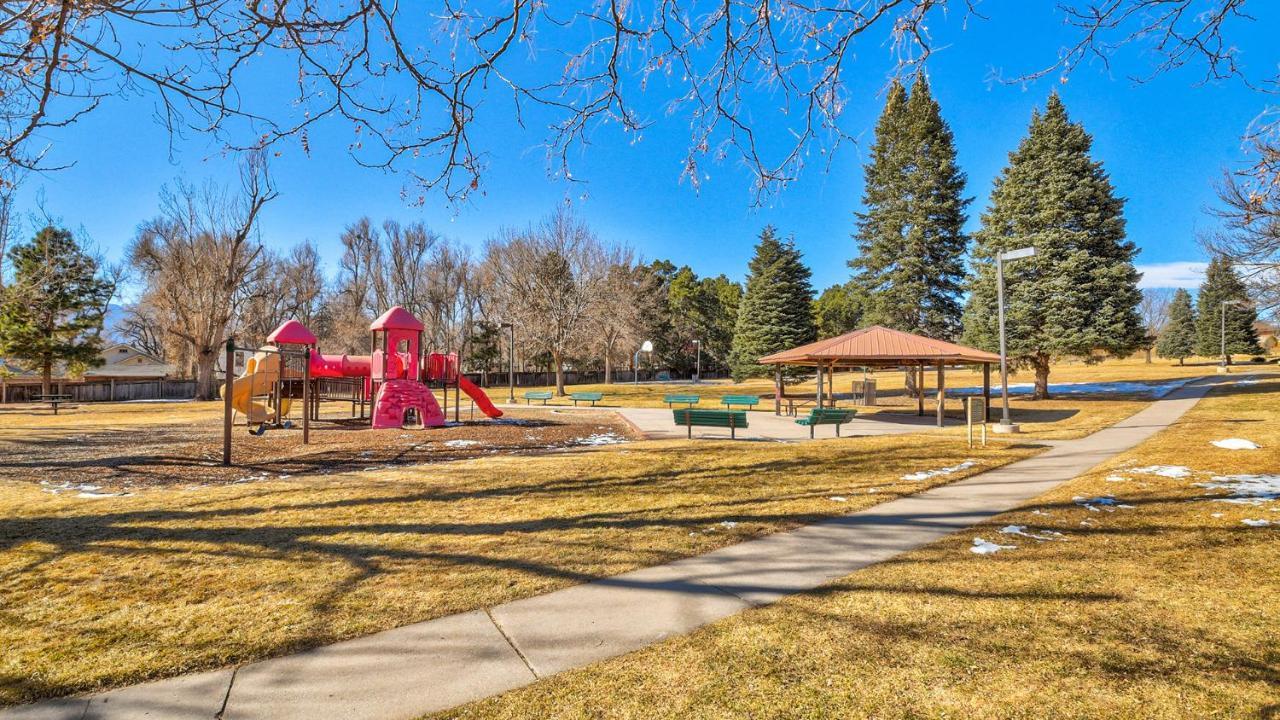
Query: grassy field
x=104 y=592
x=1162 y=608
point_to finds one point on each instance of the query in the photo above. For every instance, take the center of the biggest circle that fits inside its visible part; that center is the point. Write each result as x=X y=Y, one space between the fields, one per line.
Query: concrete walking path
x=438 y=664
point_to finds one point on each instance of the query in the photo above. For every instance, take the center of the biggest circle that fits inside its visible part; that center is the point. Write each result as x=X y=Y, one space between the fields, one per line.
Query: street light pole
x=646 y=346
x=1006 y=423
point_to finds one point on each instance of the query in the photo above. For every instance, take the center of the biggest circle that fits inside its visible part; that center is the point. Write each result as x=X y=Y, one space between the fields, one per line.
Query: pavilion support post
x=942 y=393
x=819 y=396
x=777 y=389
x=920 y=390
x=986 y=391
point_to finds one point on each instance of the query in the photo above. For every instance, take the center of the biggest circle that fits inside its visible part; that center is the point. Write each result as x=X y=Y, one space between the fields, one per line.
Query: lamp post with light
x=646 y=346
x=1006 y=425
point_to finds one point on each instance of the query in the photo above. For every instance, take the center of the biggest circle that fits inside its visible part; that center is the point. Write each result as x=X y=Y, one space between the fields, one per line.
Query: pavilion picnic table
x=54 y=400
x=591 y=397
x=746 y=400
x=826 y=416
x=531 y=395
x=689 y=400
x=690 y=417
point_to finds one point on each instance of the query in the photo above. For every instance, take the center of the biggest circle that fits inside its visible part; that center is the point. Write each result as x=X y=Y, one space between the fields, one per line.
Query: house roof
x=397 y=318
x=148 y=371
x=109 y=356
x=292 y=332
x=878 y=345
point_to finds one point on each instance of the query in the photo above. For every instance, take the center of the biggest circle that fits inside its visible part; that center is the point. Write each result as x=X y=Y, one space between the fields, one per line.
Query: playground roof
x=292 y=331
x=878 y=345
x=397 y=318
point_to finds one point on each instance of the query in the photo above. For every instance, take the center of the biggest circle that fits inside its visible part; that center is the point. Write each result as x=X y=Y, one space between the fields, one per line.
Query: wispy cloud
x=1172 y=275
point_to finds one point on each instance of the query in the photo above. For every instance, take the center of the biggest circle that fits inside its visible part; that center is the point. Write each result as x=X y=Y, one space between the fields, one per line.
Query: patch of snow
x=1022 y=530
x=1245 y=489
x=1216 y=515
x=1256 y=523
x=926 y=474
x=838 y=498
x=1116 y=478
x=100 y=495
x=982 y=547
x=604 y=438
x=461 y=443
x=1098 y=504
x=1169 y=471
x=1040 y=512
x=1235 y=444
x=728 y=524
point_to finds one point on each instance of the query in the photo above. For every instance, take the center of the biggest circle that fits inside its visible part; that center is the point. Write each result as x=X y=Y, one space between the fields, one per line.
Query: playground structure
x=397 y=374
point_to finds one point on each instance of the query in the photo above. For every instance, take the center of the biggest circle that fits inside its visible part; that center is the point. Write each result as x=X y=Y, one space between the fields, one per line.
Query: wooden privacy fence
x=102 y=390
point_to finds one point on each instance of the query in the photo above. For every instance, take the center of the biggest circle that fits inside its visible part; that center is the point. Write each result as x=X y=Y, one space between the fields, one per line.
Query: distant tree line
x=575 y=301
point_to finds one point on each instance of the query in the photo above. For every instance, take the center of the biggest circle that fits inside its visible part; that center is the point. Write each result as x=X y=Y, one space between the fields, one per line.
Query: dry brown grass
x=1165 y=610
x=106 y=592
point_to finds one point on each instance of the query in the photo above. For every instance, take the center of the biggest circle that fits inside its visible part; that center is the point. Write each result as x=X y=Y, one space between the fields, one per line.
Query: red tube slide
x=482 y=401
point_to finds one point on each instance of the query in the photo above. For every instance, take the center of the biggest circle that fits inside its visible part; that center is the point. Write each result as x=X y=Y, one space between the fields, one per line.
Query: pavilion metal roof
x=877 y=345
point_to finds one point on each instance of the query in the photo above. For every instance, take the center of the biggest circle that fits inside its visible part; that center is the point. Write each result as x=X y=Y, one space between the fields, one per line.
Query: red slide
x=482 y=401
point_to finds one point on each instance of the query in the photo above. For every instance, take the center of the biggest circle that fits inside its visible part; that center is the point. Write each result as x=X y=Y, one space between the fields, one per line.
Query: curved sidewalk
x=430 y=666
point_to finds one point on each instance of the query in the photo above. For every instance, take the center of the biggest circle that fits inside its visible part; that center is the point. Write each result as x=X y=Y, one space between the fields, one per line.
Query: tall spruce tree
x=1079 y=294
x=776 y=311
x=52 y=312
x=1178 y=339
x=910 y=237
x=1233 y=320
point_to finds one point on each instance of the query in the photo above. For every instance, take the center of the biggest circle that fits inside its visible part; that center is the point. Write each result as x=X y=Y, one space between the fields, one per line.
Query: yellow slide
x=260 y=373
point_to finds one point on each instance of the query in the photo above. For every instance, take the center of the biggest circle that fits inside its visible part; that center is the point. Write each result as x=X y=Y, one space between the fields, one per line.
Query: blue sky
x=1164 y=143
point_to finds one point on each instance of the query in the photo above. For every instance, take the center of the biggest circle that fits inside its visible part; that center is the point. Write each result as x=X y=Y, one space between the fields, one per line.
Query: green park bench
x=591 y=397
x=531 y=395
x=746 y=400
x=689 y=400
x=732 y=419
x=826 y=416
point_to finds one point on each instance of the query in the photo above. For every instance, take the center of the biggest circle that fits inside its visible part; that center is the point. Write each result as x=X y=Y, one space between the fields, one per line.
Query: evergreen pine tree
x=1178 y=339
x=1079 y=294
x=910 y=237
x=52 y=312
x=776 y=311
x=1222 y=284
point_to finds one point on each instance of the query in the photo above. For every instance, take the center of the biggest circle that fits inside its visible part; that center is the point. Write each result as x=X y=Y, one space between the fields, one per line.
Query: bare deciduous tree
x=194 y=260
x=411 y=85
x=1154 y=310
x=623 y=304
x=546 y=280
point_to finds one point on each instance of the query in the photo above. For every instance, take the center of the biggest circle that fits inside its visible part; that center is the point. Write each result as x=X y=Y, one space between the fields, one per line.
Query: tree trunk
x=1181 y=361
x=912 y=391
x=1041 y=365
x=555 y=358
x=46 y=377
x=1148 y=356
x=205 y=361
x=608 y=370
